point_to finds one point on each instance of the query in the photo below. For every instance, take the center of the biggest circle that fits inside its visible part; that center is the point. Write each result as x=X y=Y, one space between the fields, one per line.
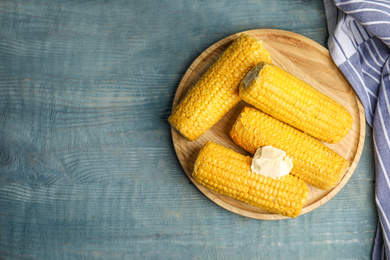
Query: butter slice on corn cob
x=228 y=172
x=216 y=92
x=289 y=99
x=313 y=162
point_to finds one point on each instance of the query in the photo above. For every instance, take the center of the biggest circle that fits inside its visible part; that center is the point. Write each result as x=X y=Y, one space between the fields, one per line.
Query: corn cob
x=289 y=99
x=313 y=162
x=216 y=92
x=227 y=172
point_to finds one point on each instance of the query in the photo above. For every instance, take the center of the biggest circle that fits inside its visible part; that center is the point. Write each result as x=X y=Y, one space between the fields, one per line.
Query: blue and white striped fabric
x=359 y=43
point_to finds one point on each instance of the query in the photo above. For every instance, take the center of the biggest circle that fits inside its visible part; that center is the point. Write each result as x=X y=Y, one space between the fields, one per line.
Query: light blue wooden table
x=87 y=165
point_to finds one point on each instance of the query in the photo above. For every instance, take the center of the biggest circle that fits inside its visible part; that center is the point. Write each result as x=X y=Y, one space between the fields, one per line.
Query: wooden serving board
x=308 y=61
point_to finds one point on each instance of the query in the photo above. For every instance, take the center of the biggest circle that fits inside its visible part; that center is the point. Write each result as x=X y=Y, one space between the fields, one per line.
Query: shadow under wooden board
x=308 y=61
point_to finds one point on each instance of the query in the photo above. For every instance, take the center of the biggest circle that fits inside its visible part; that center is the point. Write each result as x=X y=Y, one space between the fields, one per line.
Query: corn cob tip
x=252 y=75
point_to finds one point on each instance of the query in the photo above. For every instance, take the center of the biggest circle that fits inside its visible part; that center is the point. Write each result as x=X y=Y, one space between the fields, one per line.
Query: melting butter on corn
x=271 y=162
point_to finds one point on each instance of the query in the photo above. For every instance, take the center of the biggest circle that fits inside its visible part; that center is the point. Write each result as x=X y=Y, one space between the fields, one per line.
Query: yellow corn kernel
x=216 y=92
x=290 y=100
x=240 y=183
x=313 y=162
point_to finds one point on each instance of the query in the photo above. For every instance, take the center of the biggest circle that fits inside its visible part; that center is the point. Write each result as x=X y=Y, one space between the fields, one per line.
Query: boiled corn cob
x=228 y=172
x=289 y=99
x=313 y=162
x=216 y=92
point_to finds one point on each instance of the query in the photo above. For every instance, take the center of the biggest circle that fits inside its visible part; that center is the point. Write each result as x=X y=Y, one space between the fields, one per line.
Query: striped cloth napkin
x=359 y=43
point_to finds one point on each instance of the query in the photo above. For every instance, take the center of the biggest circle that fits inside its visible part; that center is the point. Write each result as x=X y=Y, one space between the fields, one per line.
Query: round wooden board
x=308 y=61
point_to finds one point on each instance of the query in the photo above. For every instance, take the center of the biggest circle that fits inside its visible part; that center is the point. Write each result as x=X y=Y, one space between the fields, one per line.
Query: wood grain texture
x=88 y=168
x=308 y=61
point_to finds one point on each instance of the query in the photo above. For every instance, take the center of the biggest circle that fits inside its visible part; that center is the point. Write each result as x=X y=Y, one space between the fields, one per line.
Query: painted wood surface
x=87 y=164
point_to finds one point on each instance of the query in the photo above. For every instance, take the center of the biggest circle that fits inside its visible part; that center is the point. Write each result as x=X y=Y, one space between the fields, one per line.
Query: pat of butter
x=271 y=162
